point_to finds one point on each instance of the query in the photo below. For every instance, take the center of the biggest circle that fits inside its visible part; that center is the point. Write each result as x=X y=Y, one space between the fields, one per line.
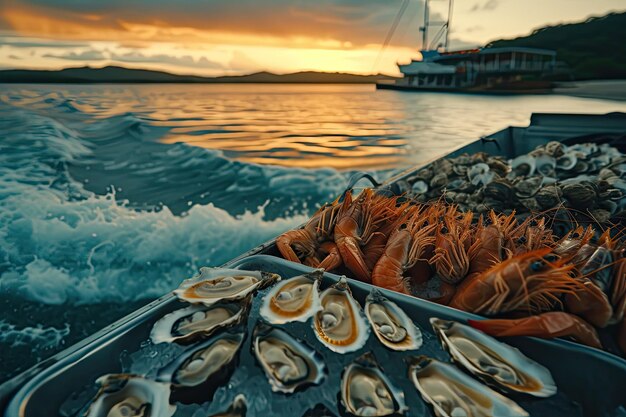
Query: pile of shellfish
x=588 y=179
x=496 y=265
x=310 y=353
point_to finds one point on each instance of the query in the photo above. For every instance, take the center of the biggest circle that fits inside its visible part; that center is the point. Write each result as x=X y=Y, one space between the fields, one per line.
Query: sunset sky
x=243 y=36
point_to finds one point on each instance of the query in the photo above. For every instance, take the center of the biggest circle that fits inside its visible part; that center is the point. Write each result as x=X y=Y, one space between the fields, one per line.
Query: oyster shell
x=494 y=362
x=204 y=366
x=295 y=299
x=289 y=364
x=238 y=408
x=523 y=165
x=218 y=284
x=545 y=165
x=366 y=391
x=198 y=321
x=126 y=395
x=453 y=393
x=340 y=325
x=390 y=324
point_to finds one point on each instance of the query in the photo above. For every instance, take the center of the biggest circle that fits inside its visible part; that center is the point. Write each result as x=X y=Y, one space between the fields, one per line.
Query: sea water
x=110 y=195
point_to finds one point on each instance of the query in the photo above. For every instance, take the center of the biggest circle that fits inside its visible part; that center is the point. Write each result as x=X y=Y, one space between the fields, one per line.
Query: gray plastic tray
x=594 y=379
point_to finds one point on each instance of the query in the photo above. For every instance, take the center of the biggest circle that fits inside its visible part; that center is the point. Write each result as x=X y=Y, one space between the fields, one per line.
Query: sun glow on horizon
x=239 y=37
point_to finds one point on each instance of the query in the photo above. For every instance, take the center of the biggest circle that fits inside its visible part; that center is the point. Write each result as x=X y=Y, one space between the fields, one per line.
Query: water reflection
x=309 y=126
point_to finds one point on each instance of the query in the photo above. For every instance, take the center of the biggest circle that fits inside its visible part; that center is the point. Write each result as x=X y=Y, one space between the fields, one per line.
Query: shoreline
x=598 y=89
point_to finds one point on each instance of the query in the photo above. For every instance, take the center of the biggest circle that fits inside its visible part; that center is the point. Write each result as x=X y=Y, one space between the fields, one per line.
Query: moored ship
x=495 y=70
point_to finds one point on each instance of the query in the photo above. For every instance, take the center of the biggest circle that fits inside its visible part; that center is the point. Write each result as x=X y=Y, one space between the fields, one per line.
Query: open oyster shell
x=126 y=395
x=340 y=325
x=198 y=321
x=295 y=299
x=390 y=323
x=289 y=364
x=453 y=393
x=494 y=362
x=237 y=409
x=203 y=367
x=366 y=391
x=218 y=284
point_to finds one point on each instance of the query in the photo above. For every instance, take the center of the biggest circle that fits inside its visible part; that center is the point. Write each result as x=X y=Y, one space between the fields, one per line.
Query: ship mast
x=444 y=28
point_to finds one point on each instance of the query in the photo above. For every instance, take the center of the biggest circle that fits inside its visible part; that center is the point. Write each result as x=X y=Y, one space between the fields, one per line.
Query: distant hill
x=593 y=49
x=114 y=74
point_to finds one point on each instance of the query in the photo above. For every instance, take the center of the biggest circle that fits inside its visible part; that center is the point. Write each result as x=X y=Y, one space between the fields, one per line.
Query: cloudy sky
x=240 y=36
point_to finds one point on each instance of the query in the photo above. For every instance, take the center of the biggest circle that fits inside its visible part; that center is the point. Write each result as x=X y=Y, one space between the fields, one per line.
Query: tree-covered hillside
x=593 y=49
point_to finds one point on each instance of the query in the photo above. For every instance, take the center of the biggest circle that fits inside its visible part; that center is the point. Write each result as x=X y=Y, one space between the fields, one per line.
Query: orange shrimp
x=356 y=224
x=452 y=244
x=404 y=248
x=546 y=325
x=529 y=282
x=306 y=243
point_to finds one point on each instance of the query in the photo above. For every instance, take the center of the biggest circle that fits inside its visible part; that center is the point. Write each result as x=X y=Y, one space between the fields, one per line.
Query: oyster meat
x=218 y=284
x=453 y=393
x=210 y=361
x=340 y=324
x=126 y=395
x=198 y=321
x=295 y=299
x=289 y=364
x=390 y=324
x=366 y=391
x=494 y=362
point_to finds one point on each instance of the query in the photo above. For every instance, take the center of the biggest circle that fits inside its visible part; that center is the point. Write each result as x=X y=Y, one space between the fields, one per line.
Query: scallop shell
x=218 y=284
x=494 y=362
x=366 y=391
x=390 y=324
x=289 y=364
x=453 y=393
x=130 y=395
x=295 y=299
x=210 y=361
x=238 y=408
x=340 y=325
x=198 y=321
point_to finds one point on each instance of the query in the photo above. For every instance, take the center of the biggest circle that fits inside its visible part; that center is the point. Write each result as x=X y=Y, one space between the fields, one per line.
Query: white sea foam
x=61 y=243
x=39 y=336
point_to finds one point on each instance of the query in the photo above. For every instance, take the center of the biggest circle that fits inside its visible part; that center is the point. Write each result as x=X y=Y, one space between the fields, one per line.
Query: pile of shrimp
x=532 y=282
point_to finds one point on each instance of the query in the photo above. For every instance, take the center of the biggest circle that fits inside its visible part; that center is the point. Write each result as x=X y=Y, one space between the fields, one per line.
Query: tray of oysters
x=272 y=338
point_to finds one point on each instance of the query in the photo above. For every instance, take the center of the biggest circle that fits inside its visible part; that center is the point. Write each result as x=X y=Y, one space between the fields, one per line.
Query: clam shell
x=366 y=391
x=198 y=322
x=295 y=299
x=340 y=325
x=217 y=284
x=390 y=324
x=494 y=362
x=238 y=408
x=128 y=395
x=289 y=363
x=209 y=361
x=453 y=393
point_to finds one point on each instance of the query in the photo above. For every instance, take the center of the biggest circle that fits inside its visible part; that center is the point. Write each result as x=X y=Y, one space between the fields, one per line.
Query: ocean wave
x=39 y=337
x=60 y=242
